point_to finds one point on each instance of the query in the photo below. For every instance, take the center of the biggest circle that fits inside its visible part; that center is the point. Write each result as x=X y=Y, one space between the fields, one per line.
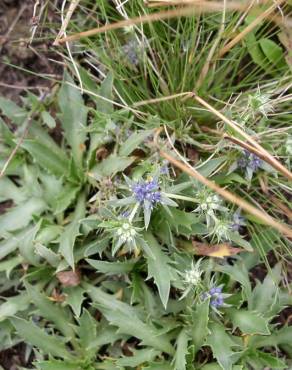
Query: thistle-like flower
x=126 y=233
x=260 y=103
x=216 y=297
x=192 y=278
x=147 y=192
x=250 y=163
x=209 y=203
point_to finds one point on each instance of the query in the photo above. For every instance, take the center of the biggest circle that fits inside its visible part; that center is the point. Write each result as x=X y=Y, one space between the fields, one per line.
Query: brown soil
x=18 y=56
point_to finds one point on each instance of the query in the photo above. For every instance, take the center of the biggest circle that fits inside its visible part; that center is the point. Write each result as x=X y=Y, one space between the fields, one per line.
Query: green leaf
x=237 y=272
x=9 y=109
x=111 y=166
x=51 y=257
x=68 y=237
x=73 y=117
x=13 y=305
x=268 y=360
x=181 y=350
x=273 y=52
x=133 y=142
x=87 y=329
x=57 y=365
x=139 y=357
x=37 y=337
x=10 y=264
x=278 y=337
x=51 y=311
x=261 y=301
x=210 y=166
x=126 y=318
x=255 y=50
x=105 y=91
x=113 y=268
x=48 y=119
x=74 y=298
x=159 y=268
x=20 y=216
x=199 y=328
x=10 y=191
x=46 y=157
x=65 y=197
x=159 y=366
x=221 y=344
x=248 y=322
x=26 y=245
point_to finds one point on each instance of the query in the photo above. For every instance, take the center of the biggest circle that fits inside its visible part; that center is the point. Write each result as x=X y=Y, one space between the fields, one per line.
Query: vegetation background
x=116 y=251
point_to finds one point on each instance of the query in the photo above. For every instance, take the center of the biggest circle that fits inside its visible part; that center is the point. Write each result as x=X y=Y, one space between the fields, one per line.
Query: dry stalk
x=73 y=5
x=264 y=153
x=203 y=6
x=263 y=216
x=250 y=27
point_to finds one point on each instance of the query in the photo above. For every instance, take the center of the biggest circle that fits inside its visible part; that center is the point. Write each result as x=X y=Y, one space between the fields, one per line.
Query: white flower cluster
x=126 y=233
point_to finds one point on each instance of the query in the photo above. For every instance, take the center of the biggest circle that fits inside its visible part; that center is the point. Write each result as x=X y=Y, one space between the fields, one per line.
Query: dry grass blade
x=264 y=217
x=203 y=6
x=250 y=27
x=264 y=154
x=73 y=5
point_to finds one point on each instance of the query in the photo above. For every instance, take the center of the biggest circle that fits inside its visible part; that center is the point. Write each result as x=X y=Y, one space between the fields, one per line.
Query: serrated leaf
x=181 y=350
x=87 y=329
x=199 y=328
x=10 y=264
x=112 y=268
x=13 y=305
x=159 y=268
x=37 y=337
x=51 y=257
x=270 y=361
x=73 y=117
x=51 y=311
x=222 y=344
x=68 y=237
x=20 y=216
x=126 y=318
x=75 y=298
x=26 y=245
x=110 y=166
x=248 y=322
x=237 y=272
x=46 y=157
x=133 y=142
x=139 y=357
x=10 y=191
x=261 y=301
x=65 y=197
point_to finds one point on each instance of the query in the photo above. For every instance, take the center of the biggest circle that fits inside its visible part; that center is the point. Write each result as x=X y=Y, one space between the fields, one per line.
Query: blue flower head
x=249 y=160
x=147 y=191
x=216 y=297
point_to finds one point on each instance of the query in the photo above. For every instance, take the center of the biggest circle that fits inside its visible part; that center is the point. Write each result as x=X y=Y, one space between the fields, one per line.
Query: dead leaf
x=57 y=297
x=69 y=278
x=101 y=153
x=217 y=250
